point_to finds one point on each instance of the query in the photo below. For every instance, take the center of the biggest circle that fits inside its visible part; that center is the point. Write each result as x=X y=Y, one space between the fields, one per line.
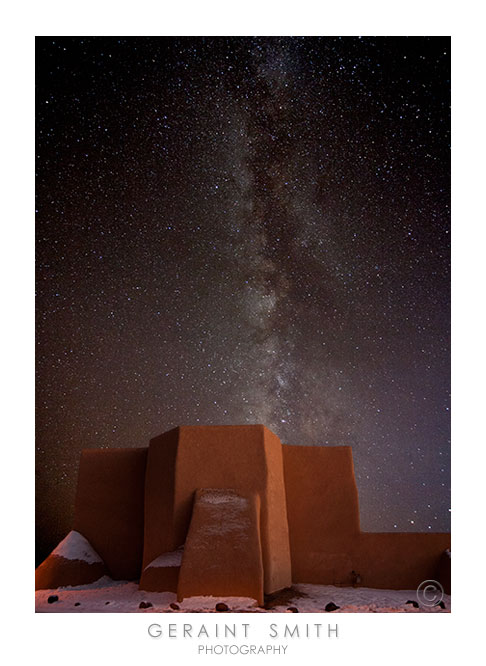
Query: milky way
x=246 y=230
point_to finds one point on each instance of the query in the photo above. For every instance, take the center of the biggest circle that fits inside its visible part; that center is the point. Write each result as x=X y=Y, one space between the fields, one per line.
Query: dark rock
x=330 y=607
x=221 y=607
x=145 y=604
x=441 y=604
x=414 y=603
x=52 y=599
x=106 y=603
x=293 y=609
x=174 y=606
x=77 y=603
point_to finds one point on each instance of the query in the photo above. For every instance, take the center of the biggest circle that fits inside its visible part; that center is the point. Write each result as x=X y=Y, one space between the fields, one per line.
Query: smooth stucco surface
x=109 y=507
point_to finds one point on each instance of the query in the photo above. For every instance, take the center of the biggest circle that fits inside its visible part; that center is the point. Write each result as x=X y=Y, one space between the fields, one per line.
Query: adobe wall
x=245 y=458
x=223 y=555
x=109 y=507
x=401 y=561
x=325 y=539
x=277 y=558
x=160 y=535
x=323 y=512
x=135 y=505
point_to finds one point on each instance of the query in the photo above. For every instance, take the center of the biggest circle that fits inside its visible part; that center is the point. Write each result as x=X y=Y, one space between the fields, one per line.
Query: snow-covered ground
x=108 y=596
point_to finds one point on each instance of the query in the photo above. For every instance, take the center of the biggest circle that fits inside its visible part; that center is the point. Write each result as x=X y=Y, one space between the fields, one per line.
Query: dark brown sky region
x=246 y=230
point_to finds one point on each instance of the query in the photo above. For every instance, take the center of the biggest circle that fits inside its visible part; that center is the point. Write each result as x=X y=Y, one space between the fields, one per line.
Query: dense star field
x=246 y=230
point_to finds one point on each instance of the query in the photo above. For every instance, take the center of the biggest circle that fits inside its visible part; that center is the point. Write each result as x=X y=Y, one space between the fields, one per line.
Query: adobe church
x=230 y=511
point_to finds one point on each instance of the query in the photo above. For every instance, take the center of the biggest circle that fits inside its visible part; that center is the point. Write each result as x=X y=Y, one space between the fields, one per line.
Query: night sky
x=246 y=230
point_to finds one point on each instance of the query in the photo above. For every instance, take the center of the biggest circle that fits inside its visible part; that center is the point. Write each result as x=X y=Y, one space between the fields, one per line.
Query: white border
x=98 y=639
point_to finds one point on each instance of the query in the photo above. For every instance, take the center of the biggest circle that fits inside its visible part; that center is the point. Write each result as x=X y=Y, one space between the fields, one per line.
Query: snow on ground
x=361 y=600
x=108 y=596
